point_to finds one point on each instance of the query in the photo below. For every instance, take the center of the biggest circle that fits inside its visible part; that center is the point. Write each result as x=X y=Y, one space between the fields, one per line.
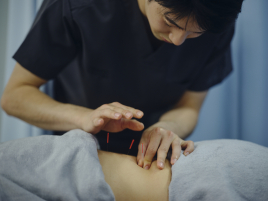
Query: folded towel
x=221 y=170
x=52 y=168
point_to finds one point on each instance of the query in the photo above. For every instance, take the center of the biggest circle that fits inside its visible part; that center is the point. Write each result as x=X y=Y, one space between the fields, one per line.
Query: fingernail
x=161 y=164
x=174 y=161
x=187 y=153
x=128 y=114
x=117 y=115
x=139 y=113
x=146 y=167
x=140 y=163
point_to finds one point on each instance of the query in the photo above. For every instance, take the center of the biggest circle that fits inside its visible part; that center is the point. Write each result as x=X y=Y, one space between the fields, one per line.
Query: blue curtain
x=20 y=17
x=235 y=109
x=238 y=108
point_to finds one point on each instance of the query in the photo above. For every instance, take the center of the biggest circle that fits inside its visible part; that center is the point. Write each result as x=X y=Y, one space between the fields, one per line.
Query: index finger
x=136 y=113
x=176 y=151
x=152 y=147
x=163 y=149
x=140 y=157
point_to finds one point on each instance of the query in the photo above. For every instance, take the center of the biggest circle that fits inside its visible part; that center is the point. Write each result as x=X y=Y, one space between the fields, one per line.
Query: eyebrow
x=172 y=22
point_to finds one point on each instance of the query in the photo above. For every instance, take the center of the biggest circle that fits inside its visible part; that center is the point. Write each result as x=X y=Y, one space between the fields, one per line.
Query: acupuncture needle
x=130 y=146
x=107 y=140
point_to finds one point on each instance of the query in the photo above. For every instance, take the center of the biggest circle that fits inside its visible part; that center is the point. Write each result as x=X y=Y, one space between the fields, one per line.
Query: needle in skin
x=130 y=146
x=107 y=140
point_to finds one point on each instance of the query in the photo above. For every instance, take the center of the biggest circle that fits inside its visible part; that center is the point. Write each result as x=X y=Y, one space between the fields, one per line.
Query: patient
x=216 y=170
x=70 y=167
x=131 y=182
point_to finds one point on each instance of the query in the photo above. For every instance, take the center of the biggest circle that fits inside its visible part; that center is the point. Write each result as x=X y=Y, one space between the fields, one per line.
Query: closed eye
x=167 y=20
x=167 y=24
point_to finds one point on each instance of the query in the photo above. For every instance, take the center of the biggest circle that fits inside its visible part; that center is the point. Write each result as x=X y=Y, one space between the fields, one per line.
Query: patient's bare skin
x=131 y=182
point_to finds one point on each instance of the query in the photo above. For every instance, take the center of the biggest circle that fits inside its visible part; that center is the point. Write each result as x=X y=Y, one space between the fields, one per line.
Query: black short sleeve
x=50 y=44
x=218 y=66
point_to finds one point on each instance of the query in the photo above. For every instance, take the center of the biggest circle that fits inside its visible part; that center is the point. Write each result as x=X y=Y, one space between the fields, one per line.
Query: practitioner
x=115 y=61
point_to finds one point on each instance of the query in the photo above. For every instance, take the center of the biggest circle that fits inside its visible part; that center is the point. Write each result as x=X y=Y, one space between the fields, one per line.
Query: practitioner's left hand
x=159 y=138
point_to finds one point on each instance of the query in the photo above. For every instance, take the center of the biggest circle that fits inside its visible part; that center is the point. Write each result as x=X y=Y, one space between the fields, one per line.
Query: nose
x=178 y=36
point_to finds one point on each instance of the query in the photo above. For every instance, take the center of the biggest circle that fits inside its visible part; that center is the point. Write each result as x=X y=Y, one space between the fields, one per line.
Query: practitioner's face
x=162 y=27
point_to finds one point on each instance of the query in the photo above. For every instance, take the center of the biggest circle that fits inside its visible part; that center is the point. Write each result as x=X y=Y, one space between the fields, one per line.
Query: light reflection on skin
x=163 y=29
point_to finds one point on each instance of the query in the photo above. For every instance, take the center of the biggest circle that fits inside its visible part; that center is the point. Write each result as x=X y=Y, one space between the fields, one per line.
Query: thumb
x=132 y=124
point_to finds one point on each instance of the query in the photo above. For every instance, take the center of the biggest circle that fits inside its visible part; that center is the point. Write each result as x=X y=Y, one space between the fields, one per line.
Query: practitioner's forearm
x=184 y=115
x=31 y=105
x=184 y=118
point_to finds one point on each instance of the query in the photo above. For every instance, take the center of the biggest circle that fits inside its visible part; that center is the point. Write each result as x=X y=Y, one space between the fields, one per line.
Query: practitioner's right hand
x=113 y=117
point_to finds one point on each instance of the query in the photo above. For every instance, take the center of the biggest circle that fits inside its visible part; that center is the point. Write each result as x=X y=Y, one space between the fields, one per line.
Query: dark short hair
x=214 y=16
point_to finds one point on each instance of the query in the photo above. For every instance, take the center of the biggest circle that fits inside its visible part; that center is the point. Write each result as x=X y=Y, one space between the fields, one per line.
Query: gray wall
x=3 y=39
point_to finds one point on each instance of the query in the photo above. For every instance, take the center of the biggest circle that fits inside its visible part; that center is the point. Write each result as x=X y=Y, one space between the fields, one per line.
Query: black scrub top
x=98 y=51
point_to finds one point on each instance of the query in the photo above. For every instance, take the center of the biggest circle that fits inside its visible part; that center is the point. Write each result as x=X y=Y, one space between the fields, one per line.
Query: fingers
x=98 y=122
x=103 y=118
x=106 y=113
x=128 y=112
x=176 y=151
x=188 y=146
x=160 y=140
x=141 y=152
x=116 y=111
x=132 y=124
x=152 y=147
x=168 y=138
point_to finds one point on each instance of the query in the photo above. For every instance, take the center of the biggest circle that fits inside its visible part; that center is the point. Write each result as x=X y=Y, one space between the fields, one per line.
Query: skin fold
x=129 y=181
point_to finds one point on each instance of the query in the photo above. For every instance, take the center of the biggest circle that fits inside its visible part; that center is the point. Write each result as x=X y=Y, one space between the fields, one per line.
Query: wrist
x=184 y=120
x=173 y=126
x=168 y=125
x=77 y=115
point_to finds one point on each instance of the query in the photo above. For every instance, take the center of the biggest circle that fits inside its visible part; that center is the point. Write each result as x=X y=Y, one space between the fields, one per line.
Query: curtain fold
x=20 y=17
x=235 y=109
